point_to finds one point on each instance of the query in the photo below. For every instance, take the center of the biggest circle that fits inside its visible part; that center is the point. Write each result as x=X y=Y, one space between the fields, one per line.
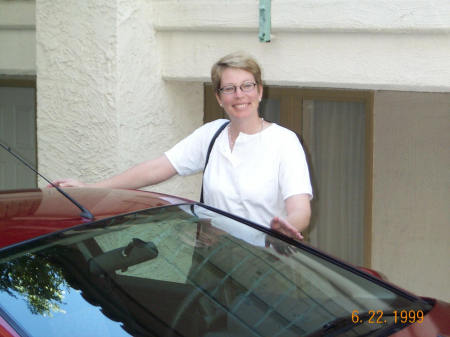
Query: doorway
x=335 y=129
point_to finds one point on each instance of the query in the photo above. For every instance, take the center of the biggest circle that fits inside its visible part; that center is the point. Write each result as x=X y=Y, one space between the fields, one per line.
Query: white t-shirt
x=254 y=179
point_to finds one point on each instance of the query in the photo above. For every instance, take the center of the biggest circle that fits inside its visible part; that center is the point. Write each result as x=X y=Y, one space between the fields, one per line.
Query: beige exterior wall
x=119 y=82
x=382 y=45
x=411 y=190
x=358 y=44
x=102 y=103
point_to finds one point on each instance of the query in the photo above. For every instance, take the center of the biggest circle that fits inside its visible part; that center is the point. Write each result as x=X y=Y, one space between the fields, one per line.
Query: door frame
x=291 y=117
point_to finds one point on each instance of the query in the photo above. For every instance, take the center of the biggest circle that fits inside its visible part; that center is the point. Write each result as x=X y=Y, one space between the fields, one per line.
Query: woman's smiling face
x=239 y=104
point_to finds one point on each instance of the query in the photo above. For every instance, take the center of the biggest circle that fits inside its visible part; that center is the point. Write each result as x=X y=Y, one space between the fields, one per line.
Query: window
x=17 y=130
x=335 y=128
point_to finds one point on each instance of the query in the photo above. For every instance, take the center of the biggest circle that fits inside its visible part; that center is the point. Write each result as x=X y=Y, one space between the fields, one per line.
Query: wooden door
x=335 y=128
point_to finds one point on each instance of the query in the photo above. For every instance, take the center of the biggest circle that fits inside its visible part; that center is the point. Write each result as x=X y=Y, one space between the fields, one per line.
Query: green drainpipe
x=264 y=20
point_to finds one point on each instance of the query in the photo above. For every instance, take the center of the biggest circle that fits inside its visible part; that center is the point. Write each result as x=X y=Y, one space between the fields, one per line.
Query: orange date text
x=379 y=317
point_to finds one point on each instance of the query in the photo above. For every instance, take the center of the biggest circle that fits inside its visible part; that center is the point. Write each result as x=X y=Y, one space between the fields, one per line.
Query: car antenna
x=85 y=214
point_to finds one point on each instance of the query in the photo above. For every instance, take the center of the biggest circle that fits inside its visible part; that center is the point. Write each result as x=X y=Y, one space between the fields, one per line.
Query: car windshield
x=187 y=270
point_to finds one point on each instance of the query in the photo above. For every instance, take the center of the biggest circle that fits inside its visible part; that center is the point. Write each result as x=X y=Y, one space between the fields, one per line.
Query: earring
x=221 y=105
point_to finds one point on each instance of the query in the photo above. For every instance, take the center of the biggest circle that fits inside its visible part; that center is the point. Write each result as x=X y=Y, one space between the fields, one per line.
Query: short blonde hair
x=238 y=60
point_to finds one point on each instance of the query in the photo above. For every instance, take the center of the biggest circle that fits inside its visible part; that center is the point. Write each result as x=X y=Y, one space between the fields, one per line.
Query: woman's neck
x=248 y=126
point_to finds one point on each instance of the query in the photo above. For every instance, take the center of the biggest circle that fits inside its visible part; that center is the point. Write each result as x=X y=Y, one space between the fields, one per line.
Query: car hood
x=26 y=214
x=435 y=322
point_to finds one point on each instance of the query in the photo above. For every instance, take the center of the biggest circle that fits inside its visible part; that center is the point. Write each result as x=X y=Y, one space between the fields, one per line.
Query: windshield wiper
x=85 y=214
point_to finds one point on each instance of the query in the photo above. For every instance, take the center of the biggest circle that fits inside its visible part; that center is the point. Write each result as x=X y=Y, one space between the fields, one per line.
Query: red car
x=135 y=263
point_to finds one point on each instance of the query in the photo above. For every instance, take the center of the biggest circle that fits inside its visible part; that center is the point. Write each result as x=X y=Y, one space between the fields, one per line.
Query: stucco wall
x=120 y=82
x=355 y=44
x=17 y=38
x=383 y=44
x=102 y=104
x=411 y=190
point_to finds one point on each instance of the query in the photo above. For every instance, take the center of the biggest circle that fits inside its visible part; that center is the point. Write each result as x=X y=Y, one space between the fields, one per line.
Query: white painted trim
x=330 y=85
x=18 y=72
x=17 y=15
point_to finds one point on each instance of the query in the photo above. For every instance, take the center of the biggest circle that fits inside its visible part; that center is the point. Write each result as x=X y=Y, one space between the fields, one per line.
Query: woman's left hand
x=283 y=226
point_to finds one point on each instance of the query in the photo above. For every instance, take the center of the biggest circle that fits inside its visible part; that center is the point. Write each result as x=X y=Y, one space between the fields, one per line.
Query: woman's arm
x=298 y=210
x=148 y=173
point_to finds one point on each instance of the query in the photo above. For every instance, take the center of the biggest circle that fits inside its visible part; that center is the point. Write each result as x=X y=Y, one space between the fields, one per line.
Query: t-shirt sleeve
x=293 y=174
x=188 y=156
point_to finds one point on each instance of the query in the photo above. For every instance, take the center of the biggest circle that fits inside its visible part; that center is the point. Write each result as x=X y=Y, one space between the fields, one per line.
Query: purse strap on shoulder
x=211 y=144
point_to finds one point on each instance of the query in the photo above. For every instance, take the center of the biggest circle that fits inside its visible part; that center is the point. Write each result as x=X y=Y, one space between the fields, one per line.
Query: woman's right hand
x=68 y=183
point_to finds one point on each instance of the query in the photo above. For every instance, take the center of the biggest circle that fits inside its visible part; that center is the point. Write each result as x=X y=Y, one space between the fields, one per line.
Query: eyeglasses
x=231 y=89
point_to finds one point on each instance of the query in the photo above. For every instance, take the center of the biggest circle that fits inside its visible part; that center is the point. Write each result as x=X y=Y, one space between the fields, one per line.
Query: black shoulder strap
x=211 y=144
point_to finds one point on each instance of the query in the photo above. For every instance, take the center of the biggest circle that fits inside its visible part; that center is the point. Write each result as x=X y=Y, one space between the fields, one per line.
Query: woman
x=256 y=169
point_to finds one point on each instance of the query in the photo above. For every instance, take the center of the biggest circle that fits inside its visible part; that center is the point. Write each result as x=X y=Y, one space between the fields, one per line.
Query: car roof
x=27 y=214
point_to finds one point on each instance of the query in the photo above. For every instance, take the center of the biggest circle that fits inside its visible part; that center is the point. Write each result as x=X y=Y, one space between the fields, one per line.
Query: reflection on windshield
x=37 y=280
x=183 y=271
